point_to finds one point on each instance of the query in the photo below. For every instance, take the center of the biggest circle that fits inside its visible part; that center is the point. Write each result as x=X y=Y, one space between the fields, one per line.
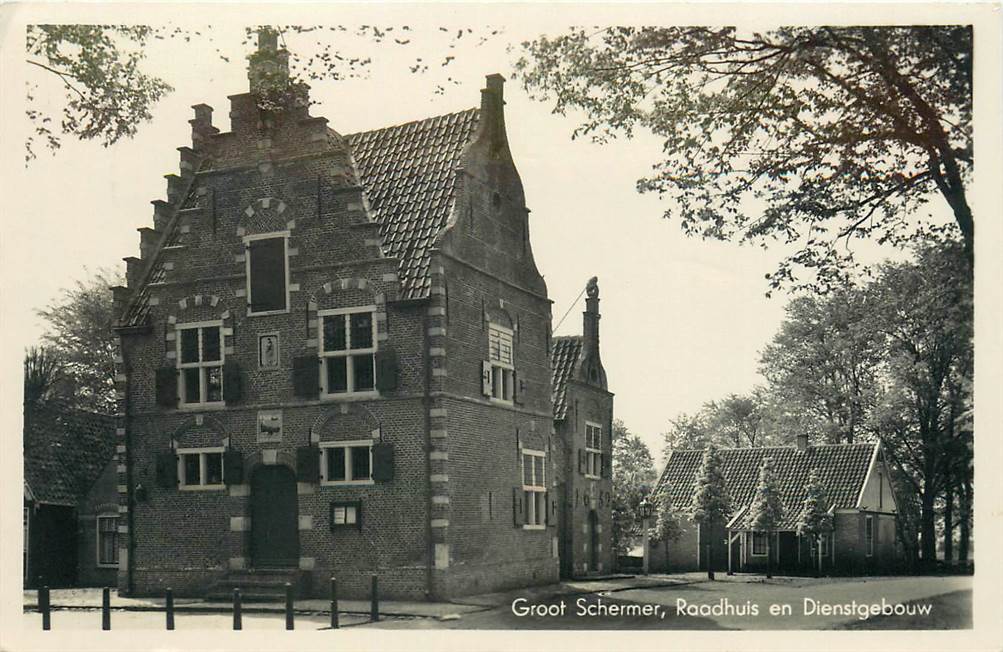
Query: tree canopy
x=633 y=477
x=810 y=136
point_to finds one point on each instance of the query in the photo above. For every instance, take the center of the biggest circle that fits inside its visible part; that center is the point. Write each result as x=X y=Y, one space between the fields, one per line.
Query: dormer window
x=267 y=273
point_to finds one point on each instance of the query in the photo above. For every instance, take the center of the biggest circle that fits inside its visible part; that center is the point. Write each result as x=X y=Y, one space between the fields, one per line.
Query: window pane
x=541 y=508
x=362 y=330
x=538 y=465
x=527 y=469
x=268 y=274
x=192 y=381
x=214 y=468
x=210 y=344
x=334 y=333
x=497 y=382
x=362 y=370
x=192 y=474
x=360 y=463
x=335 y=464
x=351 y=518
x=337 y=375
x=339 y=515
x=189 y=345
x=214 y=384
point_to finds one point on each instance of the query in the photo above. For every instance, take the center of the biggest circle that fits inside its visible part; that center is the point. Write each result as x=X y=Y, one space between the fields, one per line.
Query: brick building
x=857 y=484
x=70 y=498
x=583 y=423
x=335 y=360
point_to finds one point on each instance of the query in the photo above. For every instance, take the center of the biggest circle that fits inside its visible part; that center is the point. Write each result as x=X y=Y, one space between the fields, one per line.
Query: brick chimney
x=591 y=365
x=492 y=120
x=802 y=442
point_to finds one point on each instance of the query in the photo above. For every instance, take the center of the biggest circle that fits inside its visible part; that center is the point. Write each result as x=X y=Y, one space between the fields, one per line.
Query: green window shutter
x=604 y=465
x=486 y=378
x=518 y=513
x=167 y=469
x=551 y=515
x=386 y=370
x=582 y=463
x=306 y=376
x=308 y=464
x=516 y=390
x=233 y=382
x=167 y=387
x=383 y=462
x=233 y=467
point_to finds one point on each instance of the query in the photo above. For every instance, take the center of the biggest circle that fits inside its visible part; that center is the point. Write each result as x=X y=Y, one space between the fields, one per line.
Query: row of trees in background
x=889 y=360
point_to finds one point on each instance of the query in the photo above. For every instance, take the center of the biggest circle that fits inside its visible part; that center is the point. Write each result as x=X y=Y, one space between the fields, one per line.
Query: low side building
x=856 y=482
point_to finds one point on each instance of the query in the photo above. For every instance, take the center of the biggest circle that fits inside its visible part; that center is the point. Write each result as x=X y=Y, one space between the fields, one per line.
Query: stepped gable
x=65 y=450
x=408 y=173
x=565 y=354
x=842 y=470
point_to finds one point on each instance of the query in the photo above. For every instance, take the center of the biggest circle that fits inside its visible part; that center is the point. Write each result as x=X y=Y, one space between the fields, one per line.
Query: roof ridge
x=412 y=122
x=764 y=448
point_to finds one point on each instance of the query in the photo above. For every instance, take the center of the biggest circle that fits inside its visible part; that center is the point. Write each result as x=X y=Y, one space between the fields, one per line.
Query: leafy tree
x=106 y=95
x=822 y=365
x=686 y=432
x=766 y=510
x=711 y=503
x=924 y=308
x=668 y=523
x=836 y=132
x=815 y=520
x=79 y=335
x=42 y=373
x=746 y=420
x=633 y=476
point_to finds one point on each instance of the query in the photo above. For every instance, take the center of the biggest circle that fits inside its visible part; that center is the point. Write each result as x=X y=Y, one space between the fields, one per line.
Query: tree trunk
x=769 y=555
x=949 y=524
x=818 y=554
x=666 y=569
x=710 y=561
x=966 y=514
x=928 y=531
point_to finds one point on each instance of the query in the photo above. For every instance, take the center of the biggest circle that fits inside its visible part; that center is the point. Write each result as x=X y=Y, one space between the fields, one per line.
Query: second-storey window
x=534 y=488
x=346 y=462
x=593 y=449
x=502 y=369
x=200 y=361
x=200 y=468
x=348 y=351
x=267 y=273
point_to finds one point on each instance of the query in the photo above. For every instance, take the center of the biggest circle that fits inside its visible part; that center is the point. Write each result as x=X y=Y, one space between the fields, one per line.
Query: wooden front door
x=274 y=518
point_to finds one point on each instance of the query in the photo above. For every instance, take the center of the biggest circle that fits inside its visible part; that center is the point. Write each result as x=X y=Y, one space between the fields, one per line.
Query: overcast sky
x=683 y=319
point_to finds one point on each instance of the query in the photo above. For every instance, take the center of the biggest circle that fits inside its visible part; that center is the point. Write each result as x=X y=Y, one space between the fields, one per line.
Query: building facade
x=857 y=484
x=583 y=422
x=335 y=359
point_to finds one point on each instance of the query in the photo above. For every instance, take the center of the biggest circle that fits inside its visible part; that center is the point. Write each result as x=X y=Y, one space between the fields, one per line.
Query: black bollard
x=334 y=603
x=289 y=605
x=105 y=608
x=43 y=606
x=374 y=606
x=238 y=622
x=169 y=608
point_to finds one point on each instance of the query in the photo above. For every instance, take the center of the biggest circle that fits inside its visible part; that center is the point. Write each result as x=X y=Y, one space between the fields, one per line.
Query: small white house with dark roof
x=857 y=485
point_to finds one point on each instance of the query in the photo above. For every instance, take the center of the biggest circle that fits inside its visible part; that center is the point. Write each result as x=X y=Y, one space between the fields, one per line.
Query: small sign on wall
x=270 y=426
x=268 y=351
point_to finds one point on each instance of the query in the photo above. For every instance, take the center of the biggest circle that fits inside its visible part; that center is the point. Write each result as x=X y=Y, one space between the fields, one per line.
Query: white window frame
x=326 y=446
x=247 y=269
x=349 y=352
x=201 y=452
x=97 y=537
x=766 y=544
x=201 y=365
x=501 y=370
x=593 y=454
x=869 y=535
x=531 y=493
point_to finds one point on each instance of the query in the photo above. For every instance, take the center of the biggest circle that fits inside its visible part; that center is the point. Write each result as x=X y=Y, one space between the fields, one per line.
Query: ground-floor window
x=107 y=528
x=349 y=462
x=200 y=468
x=346 y=515
x=759 y=543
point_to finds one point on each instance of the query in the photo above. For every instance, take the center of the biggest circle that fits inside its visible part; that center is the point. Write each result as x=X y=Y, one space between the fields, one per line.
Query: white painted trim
x=867 y=476
x=592 y=451
x=247 y=269
x=180 y=452
x=326 y=445
x=200 y=365
x=347 y=353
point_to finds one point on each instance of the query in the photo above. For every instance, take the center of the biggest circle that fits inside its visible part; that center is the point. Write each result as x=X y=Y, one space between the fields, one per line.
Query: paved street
x=655 y=602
